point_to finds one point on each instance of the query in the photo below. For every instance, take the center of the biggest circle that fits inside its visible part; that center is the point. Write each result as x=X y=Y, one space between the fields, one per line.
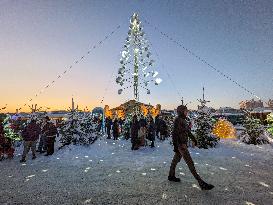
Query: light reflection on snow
x=90 y=160
x=57 y=158
x=30 y=176
x=164 y=162
x=233 y=157
x=113 y=153
x=249 y=203
x=118 y=171
x=207 y=164
x=44 y=170
x=264 y=184
x=87 y=201
x=101 y=160
x=197 y=153
x=144 y=174
x=181 y=173
x=247 y=165
x=164 y=196
x=222 y=168
x=195 y=186
x=76 y=157
x=24 y=164
x=86 y=156
x=153 y=169
x=10 y=176
x=180 y=168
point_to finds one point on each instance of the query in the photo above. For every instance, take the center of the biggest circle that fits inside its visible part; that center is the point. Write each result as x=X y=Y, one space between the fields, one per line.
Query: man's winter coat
x=31 y=132
x=181 y=132
x=49 y=129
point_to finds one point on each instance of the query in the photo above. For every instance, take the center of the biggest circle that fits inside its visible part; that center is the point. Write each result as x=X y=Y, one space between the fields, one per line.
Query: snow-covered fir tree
x=126 y=130
x=69 y=128
x=203 y=130
x=254 y=133
x=9 y=132
x=269 y=120
x=88 y=129
x=79 y=128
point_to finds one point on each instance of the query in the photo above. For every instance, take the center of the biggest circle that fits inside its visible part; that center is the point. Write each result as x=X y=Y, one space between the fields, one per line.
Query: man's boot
x=173 y=179
x=34 y=157
x=205 y=186
x=23 y=160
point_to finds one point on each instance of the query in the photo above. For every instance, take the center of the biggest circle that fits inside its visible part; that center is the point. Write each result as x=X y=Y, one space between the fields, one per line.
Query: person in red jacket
x=181 y=133
x=30 y=136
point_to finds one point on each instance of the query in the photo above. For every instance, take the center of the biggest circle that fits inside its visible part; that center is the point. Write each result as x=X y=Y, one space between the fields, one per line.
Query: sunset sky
x=40 y=39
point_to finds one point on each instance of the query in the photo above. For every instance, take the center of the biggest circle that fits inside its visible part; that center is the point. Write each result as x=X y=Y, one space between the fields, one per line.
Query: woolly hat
x=181 y=109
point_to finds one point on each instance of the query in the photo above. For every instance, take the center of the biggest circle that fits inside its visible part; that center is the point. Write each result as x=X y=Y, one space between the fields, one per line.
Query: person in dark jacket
x=116 y=129
x=134 y=133
x=108 y=124
x=121 y=122
x=181 y=133
x=49 y=131
x=157 y=125
x=42 y=147
x=30 y=136
x=163 y=129
x=151 y=130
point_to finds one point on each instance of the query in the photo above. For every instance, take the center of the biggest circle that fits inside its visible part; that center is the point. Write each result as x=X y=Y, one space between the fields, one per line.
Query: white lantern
x=158 y=81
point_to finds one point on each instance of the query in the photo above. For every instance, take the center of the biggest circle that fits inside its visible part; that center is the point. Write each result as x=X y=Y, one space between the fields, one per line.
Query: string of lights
x=202 y=60
x=70 y=67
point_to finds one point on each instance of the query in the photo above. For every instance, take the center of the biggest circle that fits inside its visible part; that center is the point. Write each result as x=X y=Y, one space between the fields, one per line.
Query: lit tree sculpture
x=224 y=129
x=136 y=62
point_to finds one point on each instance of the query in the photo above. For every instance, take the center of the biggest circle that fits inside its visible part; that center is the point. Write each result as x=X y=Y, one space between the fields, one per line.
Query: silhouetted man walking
x=181 y=133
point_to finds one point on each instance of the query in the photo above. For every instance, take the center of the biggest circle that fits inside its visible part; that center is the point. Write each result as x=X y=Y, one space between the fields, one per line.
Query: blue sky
x=39 y=39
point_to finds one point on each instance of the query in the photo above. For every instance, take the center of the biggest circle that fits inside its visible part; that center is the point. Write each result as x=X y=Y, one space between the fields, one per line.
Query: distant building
x=129 y=108
x=251 y=104
x=270 y=103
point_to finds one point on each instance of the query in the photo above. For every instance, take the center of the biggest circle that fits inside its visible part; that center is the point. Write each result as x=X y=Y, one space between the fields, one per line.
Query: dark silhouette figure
x=181 y=133
x=116 y=129
x=108 y=124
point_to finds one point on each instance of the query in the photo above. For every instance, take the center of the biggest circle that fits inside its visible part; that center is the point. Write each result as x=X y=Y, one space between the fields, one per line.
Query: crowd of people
x=142 y=130
x=45 y=133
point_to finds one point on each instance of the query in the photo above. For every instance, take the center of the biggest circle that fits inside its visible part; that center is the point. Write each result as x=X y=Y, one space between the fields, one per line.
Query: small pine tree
x=69 y=128
x=79 y=129
x=254 y=132
x=126 y=131
x=269 y=120
x=88 y=132
x=203 y=132
x=9 y=132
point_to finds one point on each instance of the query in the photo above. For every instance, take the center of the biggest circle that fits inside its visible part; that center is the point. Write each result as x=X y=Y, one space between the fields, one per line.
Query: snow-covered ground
x=108 y=172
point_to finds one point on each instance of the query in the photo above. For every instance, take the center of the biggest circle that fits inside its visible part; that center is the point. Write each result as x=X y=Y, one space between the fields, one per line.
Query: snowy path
x=107 y=173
